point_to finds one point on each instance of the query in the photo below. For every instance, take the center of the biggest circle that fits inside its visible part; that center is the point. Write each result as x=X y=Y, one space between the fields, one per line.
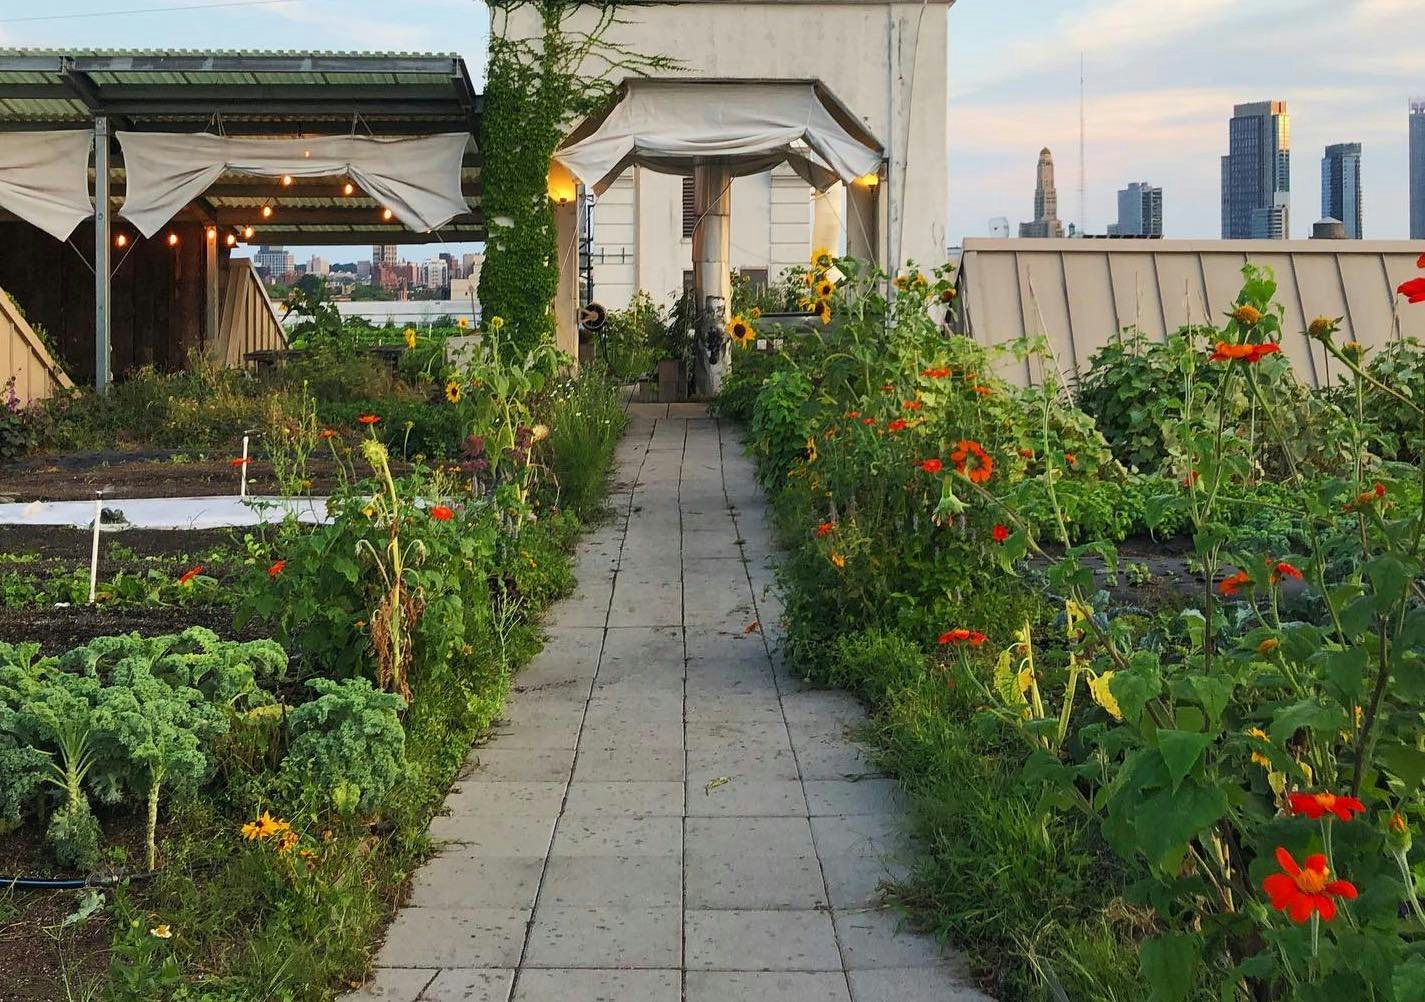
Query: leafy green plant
x=347 y=743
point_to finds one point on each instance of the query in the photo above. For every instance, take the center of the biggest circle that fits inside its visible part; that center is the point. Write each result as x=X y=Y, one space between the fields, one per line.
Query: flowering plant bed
x=1211 y=796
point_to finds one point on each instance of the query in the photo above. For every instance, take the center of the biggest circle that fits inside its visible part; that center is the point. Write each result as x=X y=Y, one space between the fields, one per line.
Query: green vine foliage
x=536 y=89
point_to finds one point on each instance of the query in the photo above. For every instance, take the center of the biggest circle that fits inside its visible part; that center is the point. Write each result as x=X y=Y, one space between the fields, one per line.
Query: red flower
x=868 y=422
x=276 y=568
x=235 y=463
x=1284 y=570
x=328 y=433
x=983 y=391
x=888 y=387
x=973 y=461
x=962 y=636
x=1249 y=353
x=912 y=405
x=825 y=529
x=899 y=424
x=1413 y=290
x=935 y=373
x=1420 y=262
x=1026 y=453
x=1000 y=533
x=1300 y=891
x=853 y=414
x=1191 y=478
x=931 y=465
x=1231 y=585
x=442 y=513
x=368 y=419
x=1316 y=805
x=1071 y=459
x=187 y=576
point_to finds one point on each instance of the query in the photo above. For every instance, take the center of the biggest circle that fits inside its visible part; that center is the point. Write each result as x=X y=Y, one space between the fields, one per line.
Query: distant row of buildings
x=1256 y=184
x=445 y=274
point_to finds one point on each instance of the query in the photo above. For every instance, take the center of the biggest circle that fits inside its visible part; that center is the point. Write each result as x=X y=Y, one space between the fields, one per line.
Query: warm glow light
x=386 y=215
x=232 y=240
x=212 y=235
x=267 y=212
x=348 y=188
x=870 y=180
x=121 y=240
x=247 y=232
x=173 y=240
x=286 y=180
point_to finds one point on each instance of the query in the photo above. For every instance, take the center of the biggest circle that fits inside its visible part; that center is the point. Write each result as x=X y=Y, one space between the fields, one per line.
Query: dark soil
x=71 y=546
x=1163 y=578
x=64 y=628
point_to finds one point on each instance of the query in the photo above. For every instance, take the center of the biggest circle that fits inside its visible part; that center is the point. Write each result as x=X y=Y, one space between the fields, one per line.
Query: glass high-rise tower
x=1417 y=168
x=1341 y=186
x=1256 y=173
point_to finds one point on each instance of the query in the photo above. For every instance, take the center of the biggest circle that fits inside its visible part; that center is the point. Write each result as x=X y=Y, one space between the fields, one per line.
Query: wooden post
x=566 y=299
x=865 y=223
x=712 y=275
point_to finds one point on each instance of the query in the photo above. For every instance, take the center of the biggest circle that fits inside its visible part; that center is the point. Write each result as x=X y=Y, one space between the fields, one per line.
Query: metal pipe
x=102 y=243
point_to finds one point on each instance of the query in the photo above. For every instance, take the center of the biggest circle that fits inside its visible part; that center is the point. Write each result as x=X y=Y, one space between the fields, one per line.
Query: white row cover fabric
x=671 y=125
x=417 y=178
x=44 y=178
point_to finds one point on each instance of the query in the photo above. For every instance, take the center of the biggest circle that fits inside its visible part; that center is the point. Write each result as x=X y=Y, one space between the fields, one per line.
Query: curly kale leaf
x=348 y=743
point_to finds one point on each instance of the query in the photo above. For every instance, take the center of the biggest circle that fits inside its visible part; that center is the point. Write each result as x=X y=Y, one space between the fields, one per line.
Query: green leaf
x=1406 y=763
x=1305 y=714
x=1136 y=685
x=1167 y=821
x=1213 y=692
x=1180 y=751
x=1389 y=576
x=1170 y=964
x=1344 y=670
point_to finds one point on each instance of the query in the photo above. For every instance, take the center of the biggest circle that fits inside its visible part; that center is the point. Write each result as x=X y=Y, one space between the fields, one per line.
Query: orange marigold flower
x=912 y=405
x=973 y=461
x=948 y=296
x=962 y=636
x=442 y=513
x=931 y=465
x=368 y=419
x=1000 y=533
x=1268 y=645
x=1231 y=585
x=1315 y=806
x=187 y=576
x=1284 y=570
x=1304 y=891
x=1420 y=262
x=276 y=568
x=1249 y=353
x=899 y=424
x=825 y=529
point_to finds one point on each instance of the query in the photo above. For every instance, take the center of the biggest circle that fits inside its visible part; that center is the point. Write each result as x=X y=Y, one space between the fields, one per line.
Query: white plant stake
x=94 y=553
x=242 y=492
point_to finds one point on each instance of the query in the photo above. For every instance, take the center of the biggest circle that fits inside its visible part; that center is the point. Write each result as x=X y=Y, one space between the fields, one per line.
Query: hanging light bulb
x=247 y=232
x=173 y=239
x=267 y=212
x=122 y=240
x=386 y=215
x=348 y=189
x=286 y=180
x=212 y=234
x=231 y=240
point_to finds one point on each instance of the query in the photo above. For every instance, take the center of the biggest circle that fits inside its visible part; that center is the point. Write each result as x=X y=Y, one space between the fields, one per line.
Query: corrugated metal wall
x=24 y=357
x=1081 y=292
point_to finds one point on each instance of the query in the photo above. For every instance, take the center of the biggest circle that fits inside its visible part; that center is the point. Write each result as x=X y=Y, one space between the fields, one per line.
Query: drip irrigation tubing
x=71 y=883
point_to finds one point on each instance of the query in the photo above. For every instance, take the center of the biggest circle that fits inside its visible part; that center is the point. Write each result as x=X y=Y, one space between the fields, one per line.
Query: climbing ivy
x=537 y=87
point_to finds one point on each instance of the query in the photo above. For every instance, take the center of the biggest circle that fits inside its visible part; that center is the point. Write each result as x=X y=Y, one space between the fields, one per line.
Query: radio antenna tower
x=1083 y=172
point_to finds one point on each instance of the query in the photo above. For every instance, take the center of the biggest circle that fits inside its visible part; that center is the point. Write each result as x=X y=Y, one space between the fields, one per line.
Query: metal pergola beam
x=242 y=216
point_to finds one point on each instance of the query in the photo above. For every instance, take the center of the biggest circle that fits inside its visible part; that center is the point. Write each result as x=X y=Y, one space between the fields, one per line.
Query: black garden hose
x=70 y=883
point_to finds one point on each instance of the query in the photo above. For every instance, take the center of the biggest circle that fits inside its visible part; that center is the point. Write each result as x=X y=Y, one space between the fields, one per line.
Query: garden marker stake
x=242 y=491
x=94 y=551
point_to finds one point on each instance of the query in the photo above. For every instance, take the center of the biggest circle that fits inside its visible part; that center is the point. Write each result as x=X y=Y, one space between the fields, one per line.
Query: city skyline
x=1161 y=80
x=1341 y=194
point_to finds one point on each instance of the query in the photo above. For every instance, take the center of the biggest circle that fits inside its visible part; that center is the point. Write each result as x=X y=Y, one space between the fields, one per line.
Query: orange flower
x=838 y=560
x=1191 y=478
x=1315 y=806
x=935 y=373
x=442 y=513
x=948 y=296
x=1376 y=493
x=868 y=422
x=1071 y=459
x=825 y=529
x=853 y=414
x=899 y=424
x=1026 y=453
x=1284 y=570
x=368 y=419
x=1249 y=353
x=235 y=463
x=328 y=433
x=1413 y=290
x=1000 y=533
x=962 y=636
x=1231 y=585
x=1420 y=262
x=276 y=568
x=1302 y=891
x=888 y=387
x=912 y=405
x=973 y=461
x=983 y=391
x=187 y=576
x=931 y=465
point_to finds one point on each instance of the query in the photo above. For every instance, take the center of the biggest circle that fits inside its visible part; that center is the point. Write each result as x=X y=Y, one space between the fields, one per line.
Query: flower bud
x=1397 y=832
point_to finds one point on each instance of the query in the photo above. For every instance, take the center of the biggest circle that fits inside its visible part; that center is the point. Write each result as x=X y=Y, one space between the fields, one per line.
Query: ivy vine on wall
x=539 y=84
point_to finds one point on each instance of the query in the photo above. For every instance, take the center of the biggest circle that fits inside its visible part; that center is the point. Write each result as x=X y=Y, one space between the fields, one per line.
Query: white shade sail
x=417 y=178
x=44 y=178
x=670 y=126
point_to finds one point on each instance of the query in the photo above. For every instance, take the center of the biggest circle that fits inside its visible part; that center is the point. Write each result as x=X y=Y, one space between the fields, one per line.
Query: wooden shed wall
x=24 y=358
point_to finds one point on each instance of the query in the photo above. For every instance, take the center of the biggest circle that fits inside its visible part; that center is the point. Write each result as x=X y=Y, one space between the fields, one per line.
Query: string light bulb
x=173 y=239
x=386 y=215
x=122 y=240
x=247 y=232
x=232 y=240
x=267 y=212
x=348 y=189
x=212 y=234
x=286 y=180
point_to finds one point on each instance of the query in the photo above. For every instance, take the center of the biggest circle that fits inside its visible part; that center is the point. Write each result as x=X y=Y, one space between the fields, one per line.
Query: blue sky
x=1162 y=76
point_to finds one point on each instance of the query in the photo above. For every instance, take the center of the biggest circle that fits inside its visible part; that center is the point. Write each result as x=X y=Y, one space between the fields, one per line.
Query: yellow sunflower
x=822 y=259
x=825 y=289
x=902 y=283
x=410 y=337
x=452 y=392
x=822 y=311
x=740 y=330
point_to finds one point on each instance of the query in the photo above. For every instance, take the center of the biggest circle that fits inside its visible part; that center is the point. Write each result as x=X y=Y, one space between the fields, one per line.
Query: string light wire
x=146 y=10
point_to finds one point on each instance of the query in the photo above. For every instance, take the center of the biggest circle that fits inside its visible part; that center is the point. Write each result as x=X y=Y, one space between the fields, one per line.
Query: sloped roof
x=1081 y=292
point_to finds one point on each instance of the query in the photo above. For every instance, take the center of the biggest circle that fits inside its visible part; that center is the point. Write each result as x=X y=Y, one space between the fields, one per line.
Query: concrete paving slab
x=781 y=986
x=858 y=835
x=538 y=765
x=630 y=764
x=637 y=799
x=743 y=797
x=602 y=835
x=496 y=834
x=459 y=881
x=599 y=986
x=455 y=937
x=470 y=986
x=605 y=937
x=879 y=938
x=861 y=796
x=475 y=797
x=918 y=984
x=732 y=880
x=394 y=984
x=613 y=882
x=754 y=838
x=761 y=941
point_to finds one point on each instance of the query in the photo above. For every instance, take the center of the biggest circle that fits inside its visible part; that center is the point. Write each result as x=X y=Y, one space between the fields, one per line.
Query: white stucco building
x=886 y=61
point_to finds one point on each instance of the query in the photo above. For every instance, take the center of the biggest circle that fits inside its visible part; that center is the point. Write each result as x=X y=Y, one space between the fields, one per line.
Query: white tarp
x=44 y=178
x=668 y=125
x=417 y=178
x=168 y=513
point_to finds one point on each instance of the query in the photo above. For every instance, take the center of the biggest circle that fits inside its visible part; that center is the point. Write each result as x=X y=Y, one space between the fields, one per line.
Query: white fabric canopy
x=44 y=178
x=670 y=125
x=417 y=178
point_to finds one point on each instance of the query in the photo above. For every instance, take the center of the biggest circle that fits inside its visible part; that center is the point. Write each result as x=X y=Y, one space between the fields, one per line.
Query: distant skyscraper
x=1417 y=169
x=1256 y=173
x=1046 y=202
x=385 y=254
x=1140 y=211
x=1341 y=186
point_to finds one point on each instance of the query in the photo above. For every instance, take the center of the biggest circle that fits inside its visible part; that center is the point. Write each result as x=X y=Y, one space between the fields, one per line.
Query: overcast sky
x=1162 y=76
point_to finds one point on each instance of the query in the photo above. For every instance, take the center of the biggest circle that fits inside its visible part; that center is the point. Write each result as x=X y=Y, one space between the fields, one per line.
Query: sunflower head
x=740 y=330
x=452 y=392
x=821 y=259
x=821 y=309
x=825 y=289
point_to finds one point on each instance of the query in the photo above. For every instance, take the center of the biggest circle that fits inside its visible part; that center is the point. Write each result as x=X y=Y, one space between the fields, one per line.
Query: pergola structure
x=278 y=95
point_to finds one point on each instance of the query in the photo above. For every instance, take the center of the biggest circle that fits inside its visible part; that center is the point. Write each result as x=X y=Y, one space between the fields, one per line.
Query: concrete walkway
x=667 y=815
